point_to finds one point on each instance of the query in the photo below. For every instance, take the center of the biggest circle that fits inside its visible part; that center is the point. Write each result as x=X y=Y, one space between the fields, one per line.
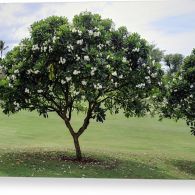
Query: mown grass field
x=119 y=148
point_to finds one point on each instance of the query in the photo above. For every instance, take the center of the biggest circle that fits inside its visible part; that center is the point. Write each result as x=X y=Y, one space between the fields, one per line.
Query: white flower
x=76 y=72
x=77 y=58
x=90 y=32
x=13 y=77
x=191 y=96
x=76 y=93
x=80 y=42
x=16 y=71
x=86 y=58
x=29 y=71
x=135 y=50
x=39 y=91
x=149 y=81
x=100 y=46
x=141 y=85
x=108 y=66
x=108 y=42
x=154 y=75
x=50 y=49
x=70 y=47
x=10 y=85
x=27 y=90
x=68 y=79
x=124 y=60
x=45 y=48
x=92 y=73
x=121 y=76
x=74 y=30
x=93 y=69
x=63 y=82
x=115 y=84
x=54 y=39
x=96 y=34
x=180 y=78
x=84 y=82
x=35 y=47
x=114 y=73
x=191 y=86
x=79 y=32
x=36 y=71
x=62 y=60
x=97 y=86
x=16 y=104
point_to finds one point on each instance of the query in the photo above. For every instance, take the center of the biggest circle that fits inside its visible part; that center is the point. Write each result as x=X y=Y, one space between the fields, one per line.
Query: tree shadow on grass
x=59 y=164
x=185 y=166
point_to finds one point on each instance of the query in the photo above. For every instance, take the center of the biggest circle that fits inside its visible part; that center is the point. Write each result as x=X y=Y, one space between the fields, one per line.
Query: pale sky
x=168 y=24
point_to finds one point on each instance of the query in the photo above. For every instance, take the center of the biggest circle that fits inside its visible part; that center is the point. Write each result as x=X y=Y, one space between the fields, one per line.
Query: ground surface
x=119 y=148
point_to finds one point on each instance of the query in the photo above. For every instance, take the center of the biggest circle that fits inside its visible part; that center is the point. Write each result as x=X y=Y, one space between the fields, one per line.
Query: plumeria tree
x=86 y=65
x=178 y=100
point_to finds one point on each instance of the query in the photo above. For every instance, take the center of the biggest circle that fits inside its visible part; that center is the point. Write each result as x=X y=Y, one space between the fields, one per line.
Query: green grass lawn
x=119 y=148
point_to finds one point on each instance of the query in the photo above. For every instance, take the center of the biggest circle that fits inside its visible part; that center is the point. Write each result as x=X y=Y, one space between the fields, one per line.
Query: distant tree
x=156 y=53
x=179 y=97
x=87 y=66
x=173 y=62
x=2 y=48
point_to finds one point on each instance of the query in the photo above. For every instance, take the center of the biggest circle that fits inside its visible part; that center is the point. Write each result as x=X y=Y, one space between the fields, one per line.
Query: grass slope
x=122 y=148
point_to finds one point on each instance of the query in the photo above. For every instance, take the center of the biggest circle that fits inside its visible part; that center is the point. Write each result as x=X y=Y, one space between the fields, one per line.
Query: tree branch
x=87 y=119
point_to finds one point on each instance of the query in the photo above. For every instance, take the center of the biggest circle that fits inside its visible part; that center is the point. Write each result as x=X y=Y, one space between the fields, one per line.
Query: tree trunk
x=77 y=148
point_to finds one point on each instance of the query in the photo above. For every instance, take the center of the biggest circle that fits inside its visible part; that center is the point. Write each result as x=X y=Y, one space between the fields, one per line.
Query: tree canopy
x=86 y=65
x=178 y=98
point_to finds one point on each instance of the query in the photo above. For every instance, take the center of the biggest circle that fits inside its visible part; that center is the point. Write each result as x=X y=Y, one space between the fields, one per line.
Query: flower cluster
x=135 y=50
x=84 y=82
x=93 y=69
x=27 y=90
x=94 y=33
x=86 y=58
x=74 y=30
x=141 y=85
x=97 y=86
x=70 y=47
x=80 y=42
x=62 y=60
x=35 y=47
x=76 y=72
x=114 y=73
x=68 y=79
x=124 y=60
